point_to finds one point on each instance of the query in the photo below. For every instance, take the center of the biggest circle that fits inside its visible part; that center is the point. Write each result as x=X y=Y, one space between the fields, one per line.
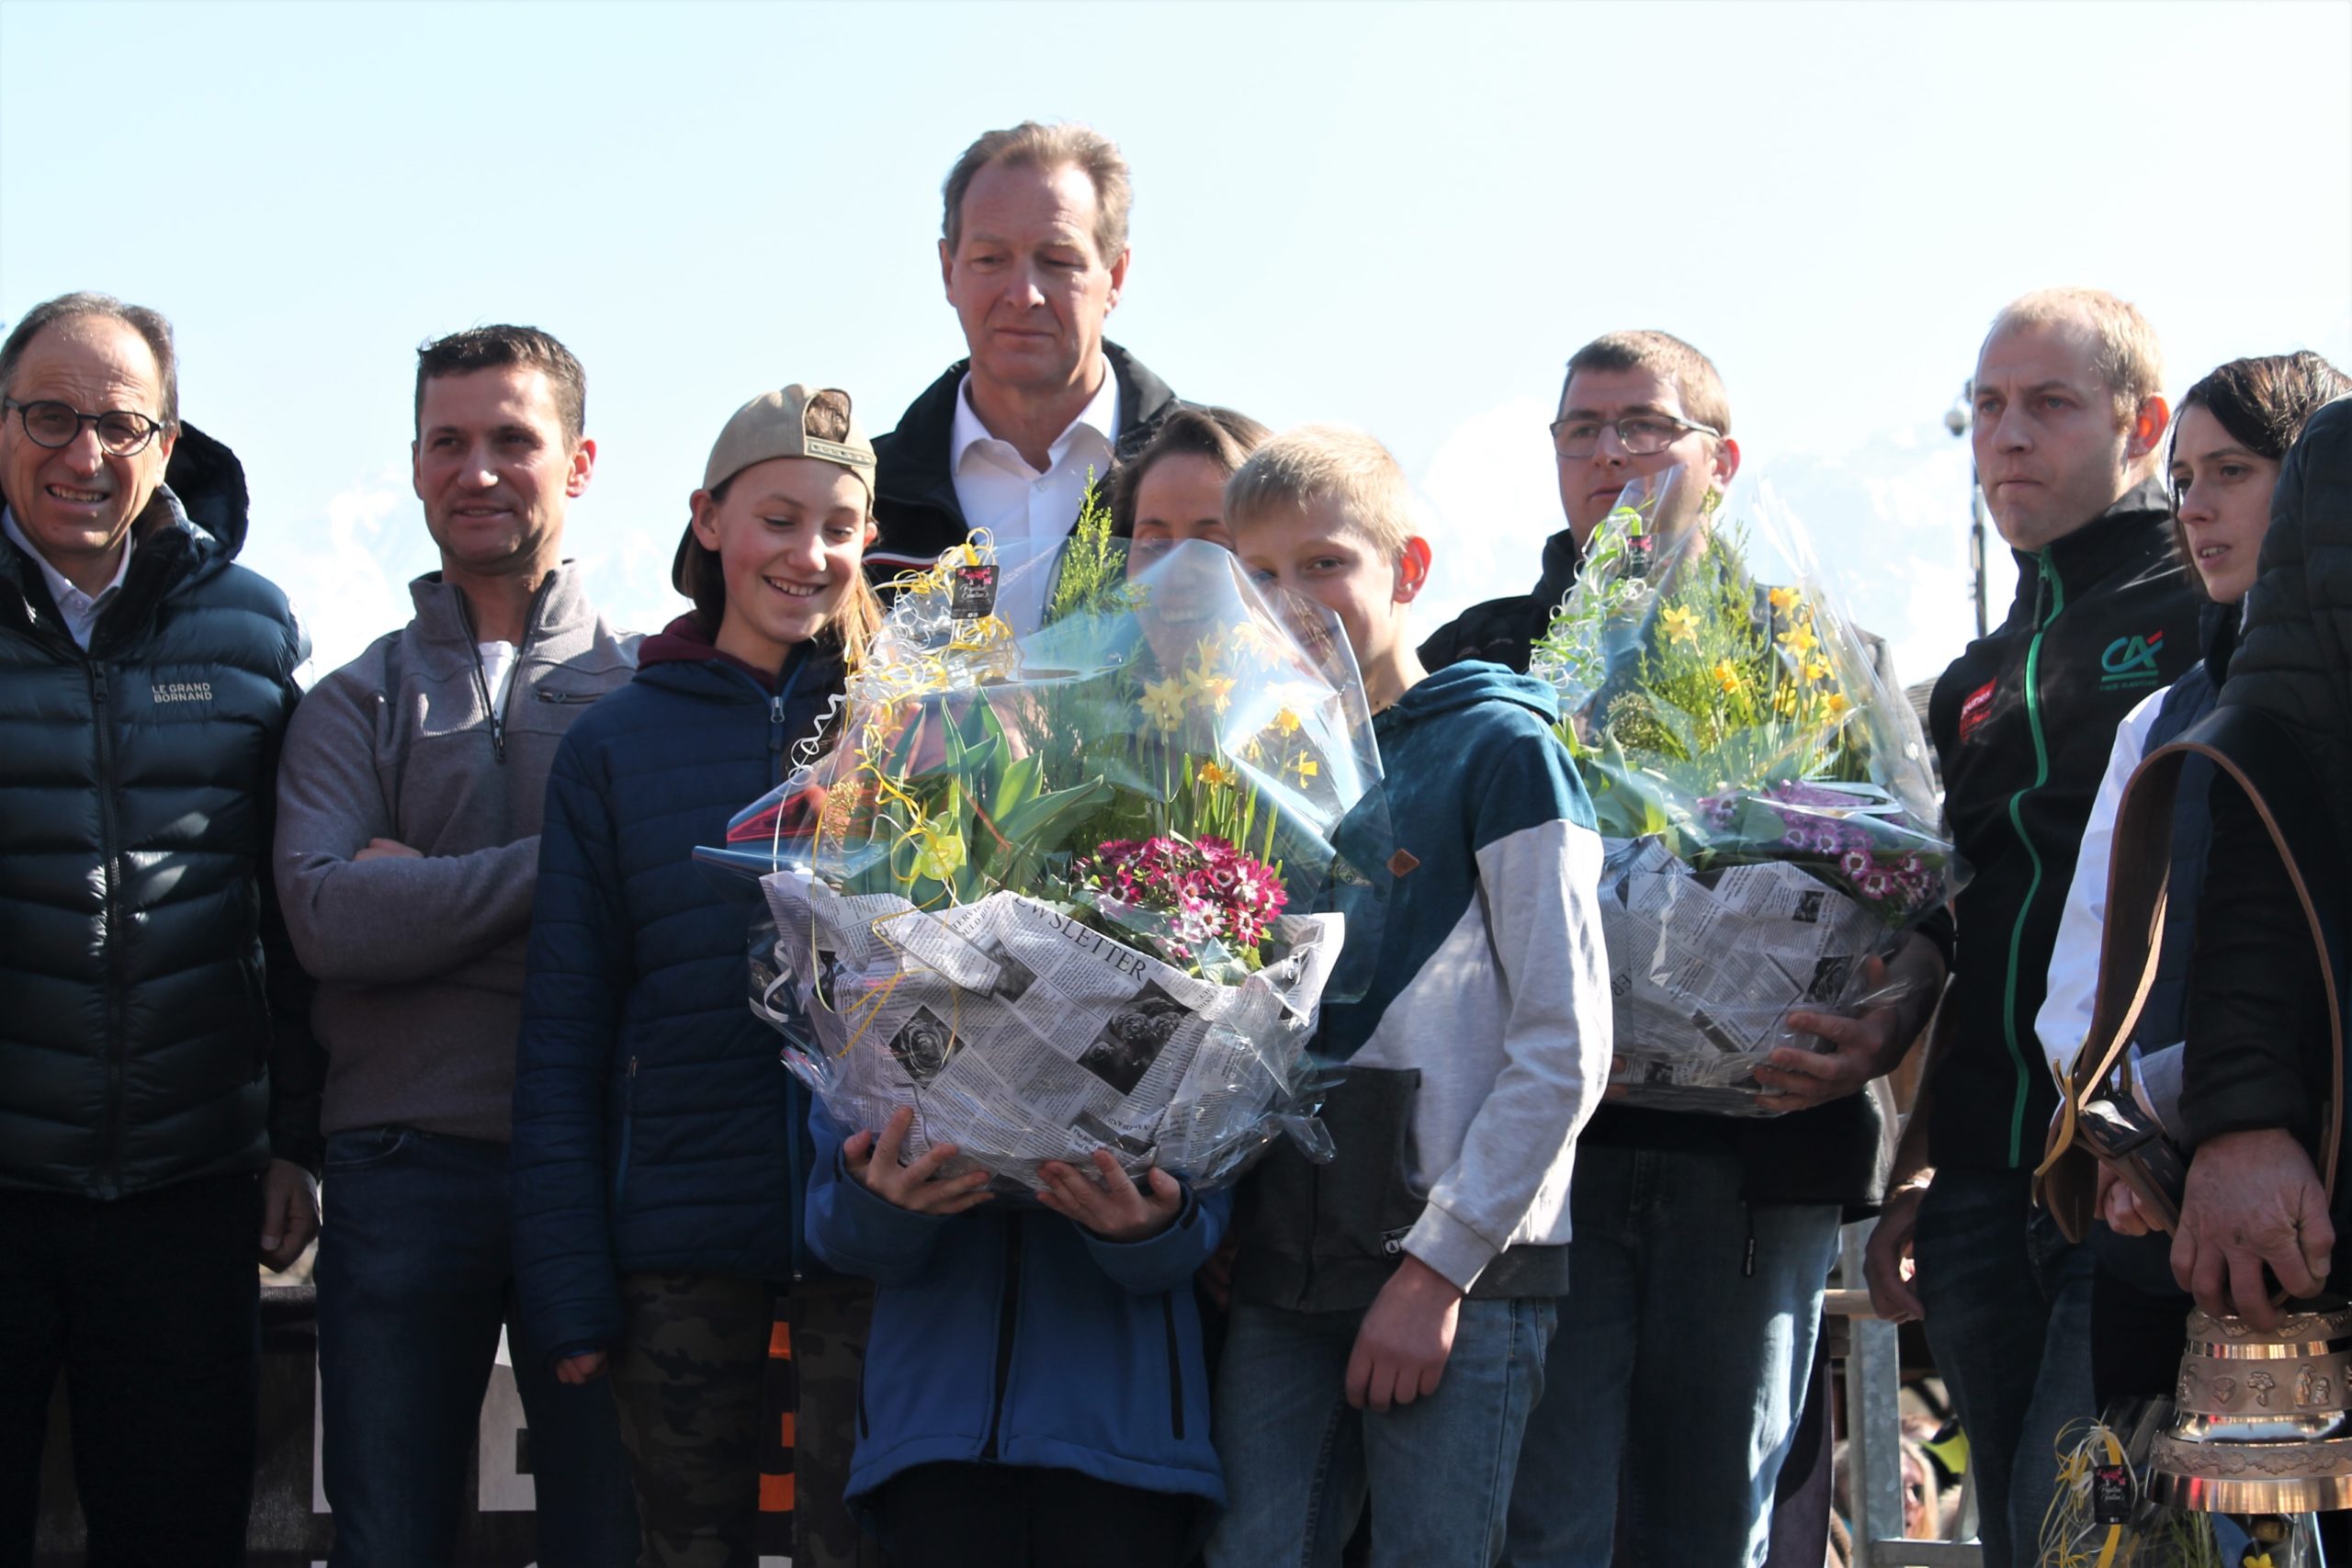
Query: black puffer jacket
x=141 y=1024
x=914 y=487
x=2256 y=1055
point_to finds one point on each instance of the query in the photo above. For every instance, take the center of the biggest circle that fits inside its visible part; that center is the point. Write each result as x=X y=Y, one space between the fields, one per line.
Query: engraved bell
x=2259 y=1421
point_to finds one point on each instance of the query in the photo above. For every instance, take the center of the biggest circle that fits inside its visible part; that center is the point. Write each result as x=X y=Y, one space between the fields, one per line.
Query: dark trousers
x=1006 y=1516
x=150 y=1305
x=415 y=1277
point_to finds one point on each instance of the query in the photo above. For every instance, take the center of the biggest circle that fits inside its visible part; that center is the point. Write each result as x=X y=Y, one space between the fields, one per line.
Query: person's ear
x=582 y=470
x=946 y=272
x=1726 y=462
x=1412 y=569
x=2147 y=427
x=705 y=519
x=1119 y=279
x=416 y=468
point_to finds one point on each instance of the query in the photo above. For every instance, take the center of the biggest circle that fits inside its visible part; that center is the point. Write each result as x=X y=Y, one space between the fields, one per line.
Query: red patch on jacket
x=1977 y=709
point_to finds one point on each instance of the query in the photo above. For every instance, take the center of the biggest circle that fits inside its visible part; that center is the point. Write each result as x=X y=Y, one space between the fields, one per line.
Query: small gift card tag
x=974 y=591
x=2111 y=1495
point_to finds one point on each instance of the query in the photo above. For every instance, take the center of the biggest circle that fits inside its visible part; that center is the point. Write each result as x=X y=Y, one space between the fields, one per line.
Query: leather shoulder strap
x=2260 y=758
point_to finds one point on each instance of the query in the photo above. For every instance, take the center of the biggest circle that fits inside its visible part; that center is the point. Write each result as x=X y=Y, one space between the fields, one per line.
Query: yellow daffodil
x=1286 y=722
x=1816 y=670
x=1799 y=638
x=1216 y=776
x=1681 y=623
x=939 y=853
x=1306 y=768
x=1213 y=692
x=1783 y=598
x=1835 y=702
x=1727 y=675
x=1163 y=702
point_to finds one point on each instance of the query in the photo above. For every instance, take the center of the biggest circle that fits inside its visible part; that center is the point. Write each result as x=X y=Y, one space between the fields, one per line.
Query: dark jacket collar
x=1562 y=561
x=683 y=643
x=2132 y=539
x=915 y=467
x=2135 y=530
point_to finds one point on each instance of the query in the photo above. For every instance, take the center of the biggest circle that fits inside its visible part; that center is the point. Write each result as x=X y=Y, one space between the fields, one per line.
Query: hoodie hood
x=1468 y=684
x=210 y=484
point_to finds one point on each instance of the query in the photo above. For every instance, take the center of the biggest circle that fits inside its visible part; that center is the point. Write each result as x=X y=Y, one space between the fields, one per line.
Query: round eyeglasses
x=121 y=433
x=1642 y=435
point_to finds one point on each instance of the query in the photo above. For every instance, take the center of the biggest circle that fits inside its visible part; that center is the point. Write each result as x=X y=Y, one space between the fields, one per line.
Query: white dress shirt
x=1026 y=511
x=81 y=610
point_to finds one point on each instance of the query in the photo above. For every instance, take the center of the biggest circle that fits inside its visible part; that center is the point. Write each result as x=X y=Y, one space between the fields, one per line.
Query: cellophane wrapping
x=1075 y=889
x=1763 y=791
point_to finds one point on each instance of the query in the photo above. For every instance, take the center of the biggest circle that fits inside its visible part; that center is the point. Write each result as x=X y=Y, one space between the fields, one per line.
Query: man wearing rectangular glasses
x=158 y=1086
x=1702 y=1243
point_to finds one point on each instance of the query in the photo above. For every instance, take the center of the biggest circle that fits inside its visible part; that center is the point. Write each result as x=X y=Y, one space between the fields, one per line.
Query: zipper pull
x=775 y=722
x=632 y=1067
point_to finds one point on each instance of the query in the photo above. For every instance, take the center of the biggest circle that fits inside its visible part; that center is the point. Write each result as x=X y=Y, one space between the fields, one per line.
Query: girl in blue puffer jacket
x=1034 y=1393
x=660 y=1150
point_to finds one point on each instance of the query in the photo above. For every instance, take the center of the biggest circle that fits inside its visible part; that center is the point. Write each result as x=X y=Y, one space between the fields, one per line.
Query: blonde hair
x=2125 y=354
x=1326 y=462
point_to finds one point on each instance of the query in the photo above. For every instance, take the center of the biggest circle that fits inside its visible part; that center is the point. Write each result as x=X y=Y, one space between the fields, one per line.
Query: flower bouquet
x=1763 y=794
x=1077 y=889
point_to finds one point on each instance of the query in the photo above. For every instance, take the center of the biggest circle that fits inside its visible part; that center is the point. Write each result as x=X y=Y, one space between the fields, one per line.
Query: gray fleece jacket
x=420 y=960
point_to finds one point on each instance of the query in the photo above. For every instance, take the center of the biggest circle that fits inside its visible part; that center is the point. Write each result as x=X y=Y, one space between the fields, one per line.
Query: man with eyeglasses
x=158 y=1087
x=1702 y=1245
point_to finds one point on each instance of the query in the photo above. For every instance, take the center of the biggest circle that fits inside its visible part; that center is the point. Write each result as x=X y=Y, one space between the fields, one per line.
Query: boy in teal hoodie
x=1391 y=1309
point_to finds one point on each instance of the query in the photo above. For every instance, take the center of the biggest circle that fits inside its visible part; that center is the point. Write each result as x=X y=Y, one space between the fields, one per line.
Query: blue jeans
x=1685 y=1345
x=415 y=1278
x=1299 y=1462
x=2008 y=1306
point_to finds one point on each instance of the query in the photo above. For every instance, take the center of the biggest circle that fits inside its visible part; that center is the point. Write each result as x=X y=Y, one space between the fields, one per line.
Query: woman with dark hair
x=2228 y=439
x=1174 y=488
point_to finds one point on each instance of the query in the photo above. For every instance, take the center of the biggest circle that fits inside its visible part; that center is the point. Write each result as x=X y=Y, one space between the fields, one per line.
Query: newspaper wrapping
x=1020 y=1034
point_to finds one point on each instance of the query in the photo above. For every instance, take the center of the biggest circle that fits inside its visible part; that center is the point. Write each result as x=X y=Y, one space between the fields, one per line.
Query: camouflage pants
x=829 y=1321
x=692 y=1380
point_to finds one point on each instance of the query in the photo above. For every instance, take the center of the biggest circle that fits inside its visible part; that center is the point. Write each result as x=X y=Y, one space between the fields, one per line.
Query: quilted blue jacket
x=655 y=1128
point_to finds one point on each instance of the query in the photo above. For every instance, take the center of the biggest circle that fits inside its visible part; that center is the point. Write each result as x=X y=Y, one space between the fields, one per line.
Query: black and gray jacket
x=155 y=1027
x=914 y=494
x=2023 y=721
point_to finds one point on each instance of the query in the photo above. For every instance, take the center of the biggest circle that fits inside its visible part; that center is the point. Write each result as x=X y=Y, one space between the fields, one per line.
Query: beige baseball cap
x=775 y=424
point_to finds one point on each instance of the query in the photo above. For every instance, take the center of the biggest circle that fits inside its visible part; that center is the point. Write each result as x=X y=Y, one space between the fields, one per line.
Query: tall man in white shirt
x=1034 y=253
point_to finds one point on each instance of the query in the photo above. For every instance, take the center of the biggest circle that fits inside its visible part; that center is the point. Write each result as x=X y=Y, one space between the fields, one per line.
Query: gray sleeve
x=378 y=922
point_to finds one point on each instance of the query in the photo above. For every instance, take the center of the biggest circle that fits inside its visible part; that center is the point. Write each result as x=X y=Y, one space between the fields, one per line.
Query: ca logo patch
x=2131 y=661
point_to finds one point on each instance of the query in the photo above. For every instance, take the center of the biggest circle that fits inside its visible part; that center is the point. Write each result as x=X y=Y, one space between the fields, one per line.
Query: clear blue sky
x=1404 y=217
